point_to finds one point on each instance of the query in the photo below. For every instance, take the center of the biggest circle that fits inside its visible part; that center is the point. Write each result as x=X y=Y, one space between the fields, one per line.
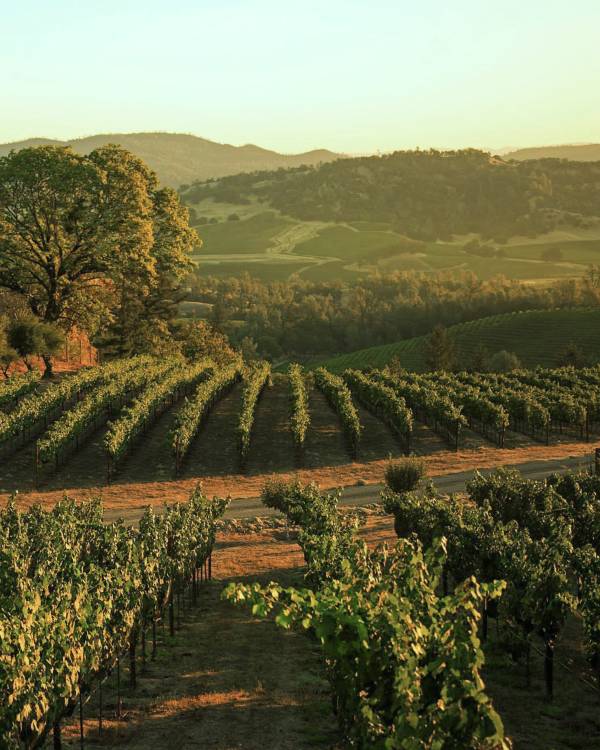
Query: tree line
x=297 y=318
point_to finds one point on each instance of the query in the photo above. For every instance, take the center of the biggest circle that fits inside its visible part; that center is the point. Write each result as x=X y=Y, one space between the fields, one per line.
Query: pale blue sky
x=349 y=75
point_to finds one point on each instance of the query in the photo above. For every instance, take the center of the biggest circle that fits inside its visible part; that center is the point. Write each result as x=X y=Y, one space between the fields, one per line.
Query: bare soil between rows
x=146 y=476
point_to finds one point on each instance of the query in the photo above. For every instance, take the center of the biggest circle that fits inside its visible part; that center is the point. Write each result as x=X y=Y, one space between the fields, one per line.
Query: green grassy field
x=263 y=270
x=333 y=269
x=353 y=245
x=363 y=247
x=375 y=226
x=252 y=235
x=536 y=337
x=573 y=251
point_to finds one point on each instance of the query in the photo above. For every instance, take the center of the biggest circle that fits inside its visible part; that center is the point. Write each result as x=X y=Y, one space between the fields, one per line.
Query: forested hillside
x=426 y=195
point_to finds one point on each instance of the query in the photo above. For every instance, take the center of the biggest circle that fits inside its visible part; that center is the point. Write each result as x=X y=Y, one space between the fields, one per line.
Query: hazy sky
x=350 y=75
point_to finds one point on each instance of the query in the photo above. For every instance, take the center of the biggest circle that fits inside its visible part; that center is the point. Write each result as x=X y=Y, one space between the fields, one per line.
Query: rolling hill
x=178 y=158
x=424 y=195
x=572 y=152
x=535 y=336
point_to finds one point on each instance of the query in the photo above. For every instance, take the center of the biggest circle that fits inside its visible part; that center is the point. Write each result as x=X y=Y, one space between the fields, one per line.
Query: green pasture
x=252 y=235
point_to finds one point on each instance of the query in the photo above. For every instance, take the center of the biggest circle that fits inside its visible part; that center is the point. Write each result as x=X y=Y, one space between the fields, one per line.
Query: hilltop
x=424 y=195
x=178 y=158
x=572 y=152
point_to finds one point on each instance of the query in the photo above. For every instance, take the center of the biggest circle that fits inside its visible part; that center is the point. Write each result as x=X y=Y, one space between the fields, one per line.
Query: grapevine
x=14 y=388
x=195 y=410
x=75 y=424
x=76 y=592
x=339 y=397
x=36 y=411
x=383 y=629
x=384 y=402
x=429 y=401
x=134 y=419
x=254 y=384
x=299 y=411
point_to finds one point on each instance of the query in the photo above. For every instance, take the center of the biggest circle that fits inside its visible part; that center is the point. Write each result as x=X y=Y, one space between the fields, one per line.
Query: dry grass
x=128 y=496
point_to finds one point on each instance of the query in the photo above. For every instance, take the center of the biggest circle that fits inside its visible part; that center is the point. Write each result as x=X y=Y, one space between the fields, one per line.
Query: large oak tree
x=92 y=241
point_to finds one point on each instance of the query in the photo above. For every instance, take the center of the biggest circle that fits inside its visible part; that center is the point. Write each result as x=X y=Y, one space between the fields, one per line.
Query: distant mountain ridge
x=572 y=152
x=179 y=158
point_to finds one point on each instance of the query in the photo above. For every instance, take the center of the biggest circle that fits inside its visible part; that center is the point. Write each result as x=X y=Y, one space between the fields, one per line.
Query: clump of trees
x=93 y=241
x=198 y=339
x=440 y=353
x=32 y=338
x=25 y=339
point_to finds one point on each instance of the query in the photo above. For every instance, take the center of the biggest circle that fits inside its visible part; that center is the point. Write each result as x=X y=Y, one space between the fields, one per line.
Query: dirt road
x=357 y=495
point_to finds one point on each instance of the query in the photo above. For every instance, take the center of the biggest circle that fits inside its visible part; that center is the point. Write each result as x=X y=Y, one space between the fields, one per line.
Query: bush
x=571 y=355
x=405 y=474
x=504 y=361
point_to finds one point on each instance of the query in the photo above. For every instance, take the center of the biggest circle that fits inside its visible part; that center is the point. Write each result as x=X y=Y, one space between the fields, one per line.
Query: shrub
x=405 y=474
x=504 y=361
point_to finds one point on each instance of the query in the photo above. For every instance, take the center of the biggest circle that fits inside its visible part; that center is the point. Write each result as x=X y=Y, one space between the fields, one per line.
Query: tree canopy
x=92 y=241
x=298 y=318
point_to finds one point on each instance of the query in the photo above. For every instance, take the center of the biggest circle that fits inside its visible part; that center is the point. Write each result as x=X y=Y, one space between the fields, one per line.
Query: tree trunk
x=118 y=688
x=80 y=719
x=171 y=614
x=132 y=665
x=48 y=371
x=56 y=736
x=549 y=670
